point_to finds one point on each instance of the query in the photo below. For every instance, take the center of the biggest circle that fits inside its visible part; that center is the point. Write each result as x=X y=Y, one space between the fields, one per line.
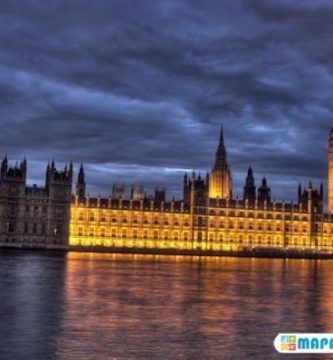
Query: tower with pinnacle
x=220 y=182
x=330 y=173
x=250 y=188
x=80 y=188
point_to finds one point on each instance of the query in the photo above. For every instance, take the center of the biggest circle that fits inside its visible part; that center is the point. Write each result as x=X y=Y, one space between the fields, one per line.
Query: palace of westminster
x=208 y=220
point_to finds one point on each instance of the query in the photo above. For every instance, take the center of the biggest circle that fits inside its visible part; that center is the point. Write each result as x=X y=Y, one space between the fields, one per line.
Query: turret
x=137 y=192
x=17 y=173
x=13 y=178
x=312 y=199
x=4 y=167
x=59 y=182
x=81 y=184
x=186 y=189
x=118 y=191
x=197 y=190
x=299 y=192
x=264 y=192
x=249 y=188
x=159 y=194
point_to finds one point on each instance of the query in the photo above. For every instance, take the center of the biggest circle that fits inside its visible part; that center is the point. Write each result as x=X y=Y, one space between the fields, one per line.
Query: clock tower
x=330 y=173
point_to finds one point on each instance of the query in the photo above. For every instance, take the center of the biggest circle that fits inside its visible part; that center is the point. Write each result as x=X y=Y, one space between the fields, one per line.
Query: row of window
x=259 y=227
x=165 y=235
x=38 y=229
x=33 y=240
x=251 y=214
x=185 y=243
x=276 y=216
x=120 y=218
x=133 y=234
x=201 y=221
x=221 y=225
x=146 y=221
x=36 y=209
x=34 y=228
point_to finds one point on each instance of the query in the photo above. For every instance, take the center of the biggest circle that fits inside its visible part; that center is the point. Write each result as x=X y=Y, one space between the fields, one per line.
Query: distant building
x=34 y=216
x=208 y=220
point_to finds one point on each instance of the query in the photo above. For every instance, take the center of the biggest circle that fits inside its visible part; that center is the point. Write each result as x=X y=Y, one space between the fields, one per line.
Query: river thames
x=103 y=306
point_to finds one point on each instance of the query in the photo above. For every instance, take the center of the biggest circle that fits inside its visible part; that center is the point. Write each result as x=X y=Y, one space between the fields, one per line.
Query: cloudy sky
x=137 y=90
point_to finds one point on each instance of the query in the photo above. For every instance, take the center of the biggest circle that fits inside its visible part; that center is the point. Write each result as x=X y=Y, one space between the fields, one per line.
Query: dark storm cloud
x=138 y=90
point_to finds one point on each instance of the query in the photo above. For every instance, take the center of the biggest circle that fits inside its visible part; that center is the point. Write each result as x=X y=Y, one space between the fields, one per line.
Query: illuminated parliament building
x=207 y=221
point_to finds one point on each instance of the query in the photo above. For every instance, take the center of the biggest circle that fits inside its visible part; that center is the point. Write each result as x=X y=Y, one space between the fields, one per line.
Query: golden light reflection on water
x=165 y=307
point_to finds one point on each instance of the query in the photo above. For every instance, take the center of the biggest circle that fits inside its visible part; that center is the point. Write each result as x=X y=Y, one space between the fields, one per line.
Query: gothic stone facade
x=208 y=220
x=217 y=225
x=36 y=217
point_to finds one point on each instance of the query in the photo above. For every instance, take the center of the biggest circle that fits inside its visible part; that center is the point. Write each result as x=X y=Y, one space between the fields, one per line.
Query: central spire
x=221 y=154
x=220 y=183
x=221 y=135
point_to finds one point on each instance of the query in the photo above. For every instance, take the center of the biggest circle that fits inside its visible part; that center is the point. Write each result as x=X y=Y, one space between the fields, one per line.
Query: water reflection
x=100 y=306
x=31 y=299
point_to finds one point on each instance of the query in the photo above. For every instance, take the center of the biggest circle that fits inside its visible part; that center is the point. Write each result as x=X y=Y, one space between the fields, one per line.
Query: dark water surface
x=99 y=306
